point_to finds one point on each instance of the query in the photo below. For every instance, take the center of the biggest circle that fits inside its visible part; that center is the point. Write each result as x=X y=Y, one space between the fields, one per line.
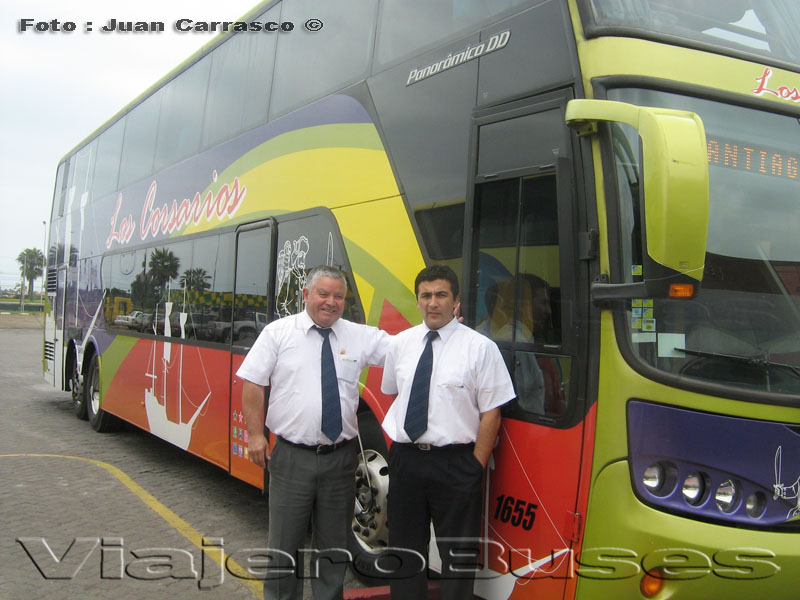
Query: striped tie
x=417 y=412
x=331 y=408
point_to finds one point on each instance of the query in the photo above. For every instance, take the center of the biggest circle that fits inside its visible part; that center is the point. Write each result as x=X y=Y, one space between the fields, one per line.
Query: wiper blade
x=758 y=361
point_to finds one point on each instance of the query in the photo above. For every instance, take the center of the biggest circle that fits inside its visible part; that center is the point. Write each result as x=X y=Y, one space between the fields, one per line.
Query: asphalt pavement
x=123 y=515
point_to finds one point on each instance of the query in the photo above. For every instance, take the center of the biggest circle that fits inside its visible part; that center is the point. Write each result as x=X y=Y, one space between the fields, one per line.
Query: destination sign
x=753 y=158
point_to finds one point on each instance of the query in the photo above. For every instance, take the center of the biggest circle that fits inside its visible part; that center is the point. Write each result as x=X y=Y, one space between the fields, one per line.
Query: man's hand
x=457 y=312
x=259 y=450
x=253 y=409
x=487 y=435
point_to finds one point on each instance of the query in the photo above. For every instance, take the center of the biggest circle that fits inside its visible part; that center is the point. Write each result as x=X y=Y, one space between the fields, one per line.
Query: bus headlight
x=660 y=478
x=727 y=496
x=694 y=488
x=755 y=504
x=653 y=477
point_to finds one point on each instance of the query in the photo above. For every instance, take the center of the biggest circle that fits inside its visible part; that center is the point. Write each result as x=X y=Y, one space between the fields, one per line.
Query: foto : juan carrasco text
x=181 y=25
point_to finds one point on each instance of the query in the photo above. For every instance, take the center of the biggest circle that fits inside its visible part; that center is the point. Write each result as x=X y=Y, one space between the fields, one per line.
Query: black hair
x=434 y=272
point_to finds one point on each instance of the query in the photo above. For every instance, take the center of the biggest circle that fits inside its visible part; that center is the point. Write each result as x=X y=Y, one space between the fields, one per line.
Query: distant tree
x=195 y=279
x=163 y=267
x=31 y=266
x=142 y=292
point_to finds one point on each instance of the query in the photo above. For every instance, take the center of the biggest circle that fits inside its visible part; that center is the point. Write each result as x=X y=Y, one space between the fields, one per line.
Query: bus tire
x=76 y=388
x=100 y=420
x=369 y=532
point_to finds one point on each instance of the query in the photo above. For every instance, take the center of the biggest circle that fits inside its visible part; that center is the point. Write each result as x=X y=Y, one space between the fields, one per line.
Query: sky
x=57 y=87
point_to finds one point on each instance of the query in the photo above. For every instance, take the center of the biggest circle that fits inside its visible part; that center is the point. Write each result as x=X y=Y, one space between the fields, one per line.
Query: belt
x=431 y=447
x=318 y=448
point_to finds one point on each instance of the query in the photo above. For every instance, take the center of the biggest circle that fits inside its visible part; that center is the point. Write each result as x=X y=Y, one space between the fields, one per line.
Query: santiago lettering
x=756 y=159
x=169 y=217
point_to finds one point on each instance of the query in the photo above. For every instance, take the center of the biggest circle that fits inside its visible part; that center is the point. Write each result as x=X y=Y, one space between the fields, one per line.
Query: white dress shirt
x=468 y=378
x=286 y=357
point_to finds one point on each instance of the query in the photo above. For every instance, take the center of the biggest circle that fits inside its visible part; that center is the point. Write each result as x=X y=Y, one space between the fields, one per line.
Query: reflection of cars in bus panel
x=196 y=326
x=133 y=320
x=151 y=321
x=220 y=331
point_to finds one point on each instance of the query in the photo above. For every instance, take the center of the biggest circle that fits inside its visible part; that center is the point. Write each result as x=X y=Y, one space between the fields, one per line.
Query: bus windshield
x=765 y=27
x=743 y=326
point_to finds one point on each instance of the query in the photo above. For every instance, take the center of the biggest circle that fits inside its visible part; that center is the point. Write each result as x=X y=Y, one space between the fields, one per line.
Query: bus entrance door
x=251 y=300
x=521 y=276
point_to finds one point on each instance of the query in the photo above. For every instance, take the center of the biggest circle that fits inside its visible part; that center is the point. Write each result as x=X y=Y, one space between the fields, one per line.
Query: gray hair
x=324 y=271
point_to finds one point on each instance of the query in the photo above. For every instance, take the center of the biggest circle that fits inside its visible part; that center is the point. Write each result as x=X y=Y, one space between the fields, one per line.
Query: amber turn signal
x=651 y=584
x=681 y=290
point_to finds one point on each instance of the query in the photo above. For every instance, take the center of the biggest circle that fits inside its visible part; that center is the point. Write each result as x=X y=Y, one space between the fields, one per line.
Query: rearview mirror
x=675 y=184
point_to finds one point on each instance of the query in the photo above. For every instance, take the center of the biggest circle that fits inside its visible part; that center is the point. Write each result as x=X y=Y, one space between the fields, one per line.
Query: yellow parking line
x=186 y=530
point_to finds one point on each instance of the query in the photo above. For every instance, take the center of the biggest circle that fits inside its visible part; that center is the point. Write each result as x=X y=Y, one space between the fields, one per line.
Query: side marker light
x=681 y=290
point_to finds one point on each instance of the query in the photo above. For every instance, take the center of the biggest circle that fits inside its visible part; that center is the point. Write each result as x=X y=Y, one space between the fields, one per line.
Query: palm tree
x=195 y=279
x=163 y=266
x=31 y=266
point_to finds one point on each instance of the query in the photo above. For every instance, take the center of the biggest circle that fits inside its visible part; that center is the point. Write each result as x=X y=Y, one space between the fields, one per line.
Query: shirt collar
x=445 y=331
x=307 y=323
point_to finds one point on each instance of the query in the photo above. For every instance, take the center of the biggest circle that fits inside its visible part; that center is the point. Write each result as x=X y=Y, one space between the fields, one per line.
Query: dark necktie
x=417 y=412
x=331 y=408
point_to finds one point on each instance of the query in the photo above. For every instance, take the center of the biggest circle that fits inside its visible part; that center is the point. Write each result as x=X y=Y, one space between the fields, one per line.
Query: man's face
x=541 y=310
x=435 y=302
x=325 y=301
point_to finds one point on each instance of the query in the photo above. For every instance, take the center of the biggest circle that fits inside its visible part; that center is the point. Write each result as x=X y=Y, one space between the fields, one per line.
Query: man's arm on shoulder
x=380 y=342
x=487 y=434
x=253 y=409
x=389 y=379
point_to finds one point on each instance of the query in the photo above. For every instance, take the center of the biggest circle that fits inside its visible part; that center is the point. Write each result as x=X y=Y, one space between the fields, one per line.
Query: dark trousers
x=306 y=487
x=442 y=485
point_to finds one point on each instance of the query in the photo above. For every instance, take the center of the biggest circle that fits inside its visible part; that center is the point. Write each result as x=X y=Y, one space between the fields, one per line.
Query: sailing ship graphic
x=156 y=397
x=784 y=491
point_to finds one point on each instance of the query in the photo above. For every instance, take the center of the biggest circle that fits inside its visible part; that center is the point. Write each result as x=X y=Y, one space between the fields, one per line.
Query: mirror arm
x=603 y=292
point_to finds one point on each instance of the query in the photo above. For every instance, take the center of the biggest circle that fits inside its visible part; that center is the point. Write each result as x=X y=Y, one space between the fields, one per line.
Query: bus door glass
x=240 y=326
x=521 y=284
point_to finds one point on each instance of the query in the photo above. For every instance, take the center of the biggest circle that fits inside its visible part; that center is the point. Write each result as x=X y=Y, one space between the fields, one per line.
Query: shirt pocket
x=452 y=387
x=348 y=369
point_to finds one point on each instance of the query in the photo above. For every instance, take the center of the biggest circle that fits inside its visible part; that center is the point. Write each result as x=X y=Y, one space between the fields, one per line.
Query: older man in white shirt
x=312 y=362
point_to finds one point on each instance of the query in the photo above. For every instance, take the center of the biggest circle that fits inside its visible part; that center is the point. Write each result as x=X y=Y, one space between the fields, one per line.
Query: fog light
x=653 y=477
x=694 y=488
x=756 y=504
x=727 y=496
x=651 y=583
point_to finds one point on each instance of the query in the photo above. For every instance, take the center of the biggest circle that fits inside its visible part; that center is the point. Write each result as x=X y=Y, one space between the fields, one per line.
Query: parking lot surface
x=122 y=515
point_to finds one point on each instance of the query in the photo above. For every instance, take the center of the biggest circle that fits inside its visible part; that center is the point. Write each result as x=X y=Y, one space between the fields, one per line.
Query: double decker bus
x=616 y=181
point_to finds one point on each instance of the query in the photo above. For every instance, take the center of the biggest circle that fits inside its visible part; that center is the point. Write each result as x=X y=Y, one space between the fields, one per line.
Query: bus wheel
x=100 y=420
x=75 y=386
x=369 y=531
